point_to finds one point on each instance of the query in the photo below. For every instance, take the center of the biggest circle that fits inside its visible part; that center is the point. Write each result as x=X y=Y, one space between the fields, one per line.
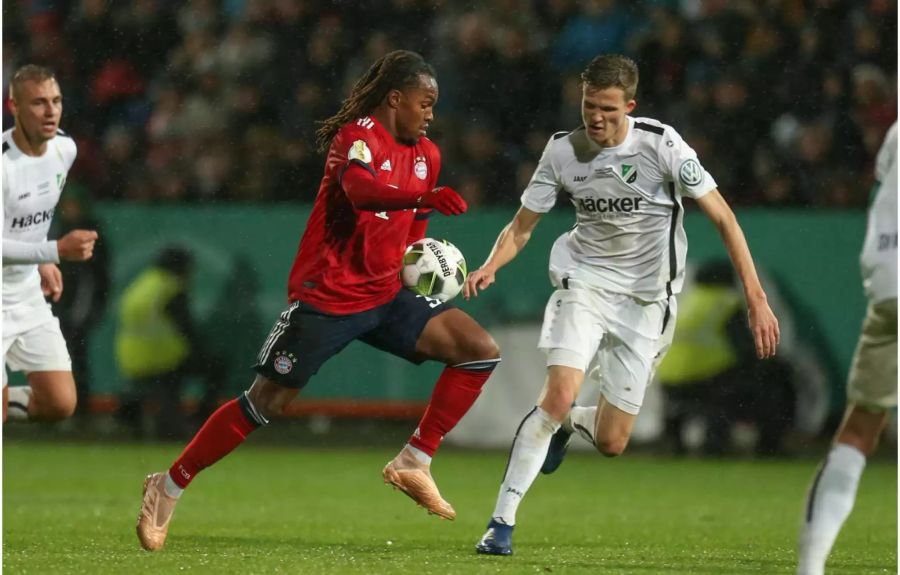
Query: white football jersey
x=628 y=236
x=31 y=188
x=879 y=254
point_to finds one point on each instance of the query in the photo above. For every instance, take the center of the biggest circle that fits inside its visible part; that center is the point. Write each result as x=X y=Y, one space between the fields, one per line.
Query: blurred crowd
x=786 y=101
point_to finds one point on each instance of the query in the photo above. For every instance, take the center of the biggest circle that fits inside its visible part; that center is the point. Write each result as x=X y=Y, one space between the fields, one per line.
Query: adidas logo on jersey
x=386 y=166
x=366 y=123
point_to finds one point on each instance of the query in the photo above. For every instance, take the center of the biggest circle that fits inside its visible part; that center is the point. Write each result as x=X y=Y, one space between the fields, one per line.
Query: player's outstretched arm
x=763 y=323
x=510 y=242
x=77 y=245
x=16 y=252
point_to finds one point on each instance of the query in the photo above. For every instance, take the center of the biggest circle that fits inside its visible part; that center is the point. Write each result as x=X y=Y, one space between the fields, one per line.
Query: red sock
x=223 y=431
x=454 y=393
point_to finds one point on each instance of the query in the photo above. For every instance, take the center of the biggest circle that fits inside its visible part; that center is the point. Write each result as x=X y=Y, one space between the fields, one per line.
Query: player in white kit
x=616 y=273
x=36 y=159
x=872 y=383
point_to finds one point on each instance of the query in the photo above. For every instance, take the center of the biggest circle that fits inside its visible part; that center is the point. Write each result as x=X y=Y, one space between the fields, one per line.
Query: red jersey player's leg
x=418 y=328
x=299 y=343
x=471 y=356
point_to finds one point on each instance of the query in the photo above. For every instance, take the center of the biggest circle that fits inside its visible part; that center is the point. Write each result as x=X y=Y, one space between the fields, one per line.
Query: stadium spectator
x=616 y=274
x=822 y=62
x=157 y=345
x=711 y=371
x=37 y=156
x=872 y=385
x=379 y=188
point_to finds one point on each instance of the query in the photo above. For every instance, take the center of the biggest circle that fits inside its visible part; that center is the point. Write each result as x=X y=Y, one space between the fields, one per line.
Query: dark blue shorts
x=304 y=338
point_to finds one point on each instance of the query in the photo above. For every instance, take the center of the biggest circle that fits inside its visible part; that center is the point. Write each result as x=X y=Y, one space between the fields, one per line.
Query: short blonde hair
x=29 y=73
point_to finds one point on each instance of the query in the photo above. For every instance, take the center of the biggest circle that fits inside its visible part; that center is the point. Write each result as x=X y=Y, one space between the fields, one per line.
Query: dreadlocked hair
x=396 y=70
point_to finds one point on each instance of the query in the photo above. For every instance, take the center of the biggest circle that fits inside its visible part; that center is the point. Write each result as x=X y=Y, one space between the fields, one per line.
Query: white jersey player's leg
x=41 y=353
x=570 y=336
x=872 y=392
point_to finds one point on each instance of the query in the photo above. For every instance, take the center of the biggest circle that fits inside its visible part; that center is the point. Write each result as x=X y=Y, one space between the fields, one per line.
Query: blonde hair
x=29 y=73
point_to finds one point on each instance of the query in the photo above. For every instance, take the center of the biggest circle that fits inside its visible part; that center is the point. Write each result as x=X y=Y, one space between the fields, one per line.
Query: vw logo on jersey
x=421 y=169
x=690 y=173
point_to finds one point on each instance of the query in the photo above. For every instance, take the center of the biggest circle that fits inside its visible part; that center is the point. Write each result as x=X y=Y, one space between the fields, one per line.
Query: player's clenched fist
x=445 y=200
x=77 y=245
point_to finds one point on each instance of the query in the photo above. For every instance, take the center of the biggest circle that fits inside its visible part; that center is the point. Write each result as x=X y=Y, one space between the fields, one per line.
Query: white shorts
x=622 y=337
x=873 y=374
x=32 y=341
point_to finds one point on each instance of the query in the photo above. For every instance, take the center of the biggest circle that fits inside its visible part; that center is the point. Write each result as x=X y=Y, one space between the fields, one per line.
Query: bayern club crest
x=284 y=362
x=421 y=168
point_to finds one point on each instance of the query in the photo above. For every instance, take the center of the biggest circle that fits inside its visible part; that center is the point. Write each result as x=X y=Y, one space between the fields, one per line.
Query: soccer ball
x=434 y=268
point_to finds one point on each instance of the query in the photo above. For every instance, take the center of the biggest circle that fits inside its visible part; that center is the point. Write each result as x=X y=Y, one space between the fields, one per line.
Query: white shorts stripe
x=276 y=332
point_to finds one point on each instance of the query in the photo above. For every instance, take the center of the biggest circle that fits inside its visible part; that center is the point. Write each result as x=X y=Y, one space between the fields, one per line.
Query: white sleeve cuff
x=15 y=252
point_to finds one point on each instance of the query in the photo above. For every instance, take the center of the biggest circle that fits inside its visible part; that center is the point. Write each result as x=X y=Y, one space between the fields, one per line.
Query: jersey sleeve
x=68 y=150
x=887 y=154
x=353 y=144
x=16 y=252
x=540 y=195
x=679 y=162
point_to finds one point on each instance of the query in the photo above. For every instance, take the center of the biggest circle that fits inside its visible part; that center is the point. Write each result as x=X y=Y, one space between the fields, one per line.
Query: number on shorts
x=432 y=302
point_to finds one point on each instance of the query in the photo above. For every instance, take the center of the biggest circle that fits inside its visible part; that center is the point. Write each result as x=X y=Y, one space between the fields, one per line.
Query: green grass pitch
x=71 y=508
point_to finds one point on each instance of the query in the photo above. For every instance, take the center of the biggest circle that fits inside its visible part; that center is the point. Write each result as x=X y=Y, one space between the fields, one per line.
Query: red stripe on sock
x=223 y=431
x=454 y=393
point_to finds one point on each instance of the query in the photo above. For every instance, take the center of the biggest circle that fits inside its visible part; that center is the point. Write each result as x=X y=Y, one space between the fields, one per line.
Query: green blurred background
x=244 y=253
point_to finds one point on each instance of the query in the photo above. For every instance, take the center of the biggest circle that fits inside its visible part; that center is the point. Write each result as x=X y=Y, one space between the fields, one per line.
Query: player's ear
x=393 y=98
x=630 y=106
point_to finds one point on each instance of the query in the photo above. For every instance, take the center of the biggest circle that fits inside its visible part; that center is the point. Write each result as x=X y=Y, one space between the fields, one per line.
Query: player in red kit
x=379 y=187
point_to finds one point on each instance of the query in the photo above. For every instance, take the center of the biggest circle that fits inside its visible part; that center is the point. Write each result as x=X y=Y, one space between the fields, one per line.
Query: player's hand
x=51 y=281
x=764 y=326
x=479 y=279
x=445 y=200
x=77 y=245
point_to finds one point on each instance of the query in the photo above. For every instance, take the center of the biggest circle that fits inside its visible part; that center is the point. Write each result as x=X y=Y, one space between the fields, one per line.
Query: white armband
x=15 y=252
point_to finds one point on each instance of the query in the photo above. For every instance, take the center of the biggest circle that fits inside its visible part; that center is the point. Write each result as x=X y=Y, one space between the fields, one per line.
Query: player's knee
x=267 y=400
x=477 y=347
x=269 y=406
x=558 y=402
x=611 y=446
x=483 y=346
x=58 y=408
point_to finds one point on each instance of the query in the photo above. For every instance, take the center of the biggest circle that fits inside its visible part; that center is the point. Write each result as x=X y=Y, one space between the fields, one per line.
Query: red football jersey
x=349 y=260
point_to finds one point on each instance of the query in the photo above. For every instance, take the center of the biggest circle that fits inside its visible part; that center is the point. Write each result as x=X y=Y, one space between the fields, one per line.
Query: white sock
x=420 y=455
x=828 y=504
x=525 y=459
x=583 y=421
x=172 y=489
x=19 y=398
